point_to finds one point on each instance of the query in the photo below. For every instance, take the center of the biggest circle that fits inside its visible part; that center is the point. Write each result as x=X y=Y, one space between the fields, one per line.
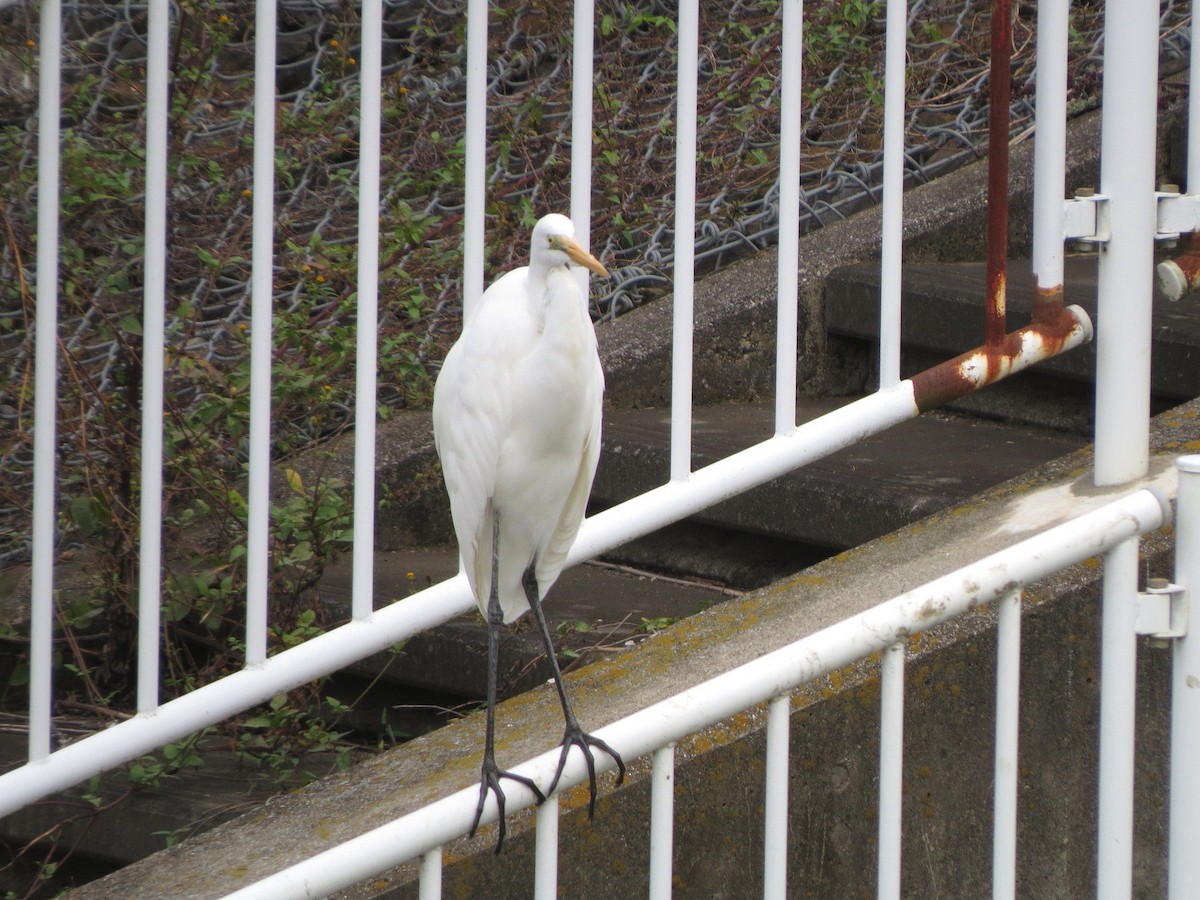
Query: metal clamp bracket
x=1086 y=218
x=1177 y=214
x=1162 y=610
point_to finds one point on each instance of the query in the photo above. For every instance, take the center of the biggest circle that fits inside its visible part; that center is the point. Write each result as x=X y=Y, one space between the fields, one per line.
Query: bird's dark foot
x=577 y=737
x=490 y=781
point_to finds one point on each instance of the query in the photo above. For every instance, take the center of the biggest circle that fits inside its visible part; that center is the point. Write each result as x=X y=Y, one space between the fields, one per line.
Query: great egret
x=516 y=420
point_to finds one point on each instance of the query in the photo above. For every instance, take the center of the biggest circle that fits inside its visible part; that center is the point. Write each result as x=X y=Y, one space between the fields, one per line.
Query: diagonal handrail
x=771 y=675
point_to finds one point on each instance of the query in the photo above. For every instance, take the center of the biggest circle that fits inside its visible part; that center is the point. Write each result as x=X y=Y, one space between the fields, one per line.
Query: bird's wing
x=472 y=409
x=554 y=554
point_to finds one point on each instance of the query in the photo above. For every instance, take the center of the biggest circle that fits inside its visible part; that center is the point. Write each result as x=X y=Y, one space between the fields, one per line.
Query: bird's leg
x=492 y=773
x=574 y=736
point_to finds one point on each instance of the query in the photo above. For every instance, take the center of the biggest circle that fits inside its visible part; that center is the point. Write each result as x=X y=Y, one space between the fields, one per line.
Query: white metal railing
x=41 y=619
x=1184 y=833
x=1123 y=220
x=770 y=678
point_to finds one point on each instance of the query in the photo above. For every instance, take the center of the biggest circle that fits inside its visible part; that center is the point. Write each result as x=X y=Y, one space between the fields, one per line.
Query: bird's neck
x=549 y=288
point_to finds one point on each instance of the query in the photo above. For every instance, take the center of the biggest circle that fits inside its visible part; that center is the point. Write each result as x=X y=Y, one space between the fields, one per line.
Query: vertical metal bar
x=891 y=768
x=1127 y=147
x=1126 y=270
x=892 y=221
x=545 y=862
x=153 y=331
x=1193 y=119
x=789 y=215
x=367 y=317
x=475 y=147
x=775 y=824
x=662 y=822
x=45 y=406
x=431 y=875
x=1008 y=695
x=999 y=92
x=1184 y=832
x=1118 y=671
x=1049 y=153
x=688 y=36
x=582 y=76
x=258 y=510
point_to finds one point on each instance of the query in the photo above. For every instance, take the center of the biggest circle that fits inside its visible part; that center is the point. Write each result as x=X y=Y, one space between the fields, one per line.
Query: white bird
x=516 y=420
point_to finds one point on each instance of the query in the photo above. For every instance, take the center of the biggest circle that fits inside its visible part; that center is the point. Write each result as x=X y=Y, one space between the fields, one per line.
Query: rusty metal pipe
x=1047 y=305
x=987 y=364
x=999 y=95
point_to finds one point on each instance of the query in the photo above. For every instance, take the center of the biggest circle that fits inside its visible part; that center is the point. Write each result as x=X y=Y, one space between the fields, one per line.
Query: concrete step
x=874 y=487
x=138 y=819
x=943 y=316
x=594 y=609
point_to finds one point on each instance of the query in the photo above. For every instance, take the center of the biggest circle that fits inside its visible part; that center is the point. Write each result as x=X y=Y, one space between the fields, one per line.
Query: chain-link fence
x=424 y=98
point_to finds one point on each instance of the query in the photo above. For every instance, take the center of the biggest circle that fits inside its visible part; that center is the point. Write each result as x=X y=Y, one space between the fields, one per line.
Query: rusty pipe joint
x=985 y=365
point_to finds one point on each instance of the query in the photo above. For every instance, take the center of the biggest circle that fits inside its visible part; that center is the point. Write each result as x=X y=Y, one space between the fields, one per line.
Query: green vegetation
x=206 y=417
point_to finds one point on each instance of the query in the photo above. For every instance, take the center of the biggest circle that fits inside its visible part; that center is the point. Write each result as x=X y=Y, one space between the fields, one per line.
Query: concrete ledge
x=949 y=710
x=877 y=485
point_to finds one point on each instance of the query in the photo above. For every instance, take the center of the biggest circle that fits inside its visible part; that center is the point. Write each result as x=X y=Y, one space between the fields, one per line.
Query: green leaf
x=88 y=514
x=295 y=481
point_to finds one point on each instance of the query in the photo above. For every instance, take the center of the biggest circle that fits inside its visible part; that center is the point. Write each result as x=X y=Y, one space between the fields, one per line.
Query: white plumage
x=516 y=419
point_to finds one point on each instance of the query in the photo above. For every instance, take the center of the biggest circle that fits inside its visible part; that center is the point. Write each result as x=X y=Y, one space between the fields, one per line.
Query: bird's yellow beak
x=578 y=255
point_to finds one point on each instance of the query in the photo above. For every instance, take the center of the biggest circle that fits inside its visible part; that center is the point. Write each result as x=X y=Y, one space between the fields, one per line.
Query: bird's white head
x=554 y=244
